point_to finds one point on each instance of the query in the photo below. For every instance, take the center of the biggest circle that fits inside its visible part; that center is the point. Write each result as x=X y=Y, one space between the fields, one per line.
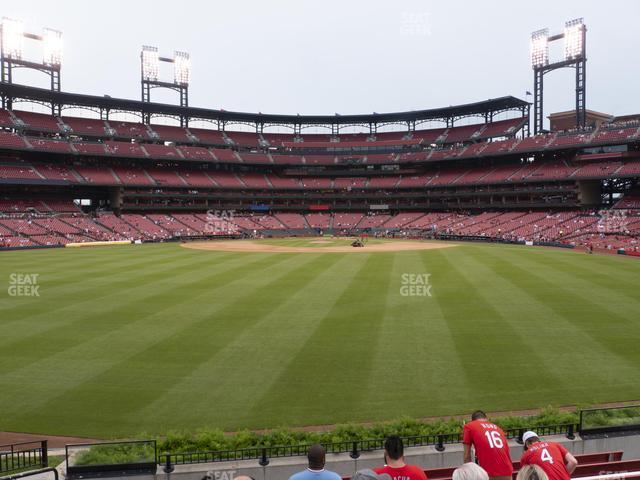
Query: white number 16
x=494 y=439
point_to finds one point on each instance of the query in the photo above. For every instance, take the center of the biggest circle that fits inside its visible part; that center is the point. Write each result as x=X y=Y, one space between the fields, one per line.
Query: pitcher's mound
x=261 y=246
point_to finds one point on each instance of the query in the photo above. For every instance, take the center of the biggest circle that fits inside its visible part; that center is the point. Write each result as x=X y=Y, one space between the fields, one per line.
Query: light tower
x=149 y=70
x=11 y=55
x=574 y=35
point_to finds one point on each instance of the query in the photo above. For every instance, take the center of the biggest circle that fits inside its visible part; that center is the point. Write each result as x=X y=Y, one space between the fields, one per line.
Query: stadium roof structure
x=11 y=92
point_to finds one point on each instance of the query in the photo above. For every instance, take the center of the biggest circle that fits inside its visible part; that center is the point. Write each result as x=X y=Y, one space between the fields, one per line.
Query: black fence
x=353 y=448
x=612 y=420
x=23 y=456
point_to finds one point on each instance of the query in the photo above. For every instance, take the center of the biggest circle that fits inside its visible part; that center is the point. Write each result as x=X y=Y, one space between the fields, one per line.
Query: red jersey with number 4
x=491 y=447
x=408 y=472
x=550 y=457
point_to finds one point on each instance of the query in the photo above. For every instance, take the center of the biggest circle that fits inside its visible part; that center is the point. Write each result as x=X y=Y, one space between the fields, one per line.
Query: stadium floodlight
x=52 y=43
x=574 y=39
x=181 y=68
x=12 y=38
x=150 y=63
x=540 y=48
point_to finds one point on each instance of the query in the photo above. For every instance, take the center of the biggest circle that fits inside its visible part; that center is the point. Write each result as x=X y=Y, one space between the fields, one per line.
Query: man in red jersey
x=394 y=464
x=552 y=457
x=490 y=444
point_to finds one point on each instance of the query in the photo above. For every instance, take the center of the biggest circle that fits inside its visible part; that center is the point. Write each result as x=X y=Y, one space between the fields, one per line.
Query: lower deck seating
x=292 y=220
x=58 y=220
x=318 y=220
x=346 y=221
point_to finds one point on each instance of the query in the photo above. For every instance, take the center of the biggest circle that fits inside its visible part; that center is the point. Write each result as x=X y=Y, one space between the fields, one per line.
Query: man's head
x=393 y=447
x=316 y=457
x=529 y=438
x=478 y=415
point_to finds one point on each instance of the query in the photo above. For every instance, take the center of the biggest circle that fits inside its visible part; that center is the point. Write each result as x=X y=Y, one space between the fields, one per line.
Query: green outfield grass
x=124 y=340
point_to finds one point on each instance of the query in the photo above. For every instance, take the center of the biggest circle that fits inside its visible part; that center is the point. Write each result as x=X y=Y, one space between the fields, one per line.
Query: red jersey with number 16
x=550 y=457
x=491 y=447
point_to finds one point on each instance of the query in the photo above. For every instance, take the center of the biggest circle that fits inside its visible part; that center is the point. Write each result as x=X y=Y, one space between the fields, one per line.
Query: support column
x=581 y=80
x=538 y=95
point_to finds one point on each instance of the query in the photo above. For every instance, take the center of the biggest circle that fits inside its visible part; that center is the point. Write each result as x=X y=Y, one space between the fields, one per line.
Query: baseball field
x=113 y=341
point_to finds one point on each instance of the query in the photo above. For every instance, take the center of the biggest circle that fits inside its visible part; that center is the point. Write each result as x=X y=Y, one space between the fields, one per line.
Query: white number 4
x=546 y=457
x=494 y=439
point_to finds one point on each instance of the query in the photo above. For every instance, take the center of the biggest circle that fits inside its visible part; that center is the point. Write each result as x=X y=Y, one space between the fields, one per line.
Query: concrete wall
x=589 y=192
x=427 y=457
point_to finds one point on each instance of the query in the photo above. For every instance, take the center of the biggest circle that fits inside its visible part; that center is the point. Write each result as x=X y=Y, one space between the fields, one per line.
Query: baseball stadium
x=207 y=292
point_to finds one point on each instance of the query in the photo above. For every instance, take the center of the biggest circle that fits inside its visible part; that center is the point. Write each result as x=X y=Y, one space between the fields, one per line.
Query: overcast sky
x=349 y=56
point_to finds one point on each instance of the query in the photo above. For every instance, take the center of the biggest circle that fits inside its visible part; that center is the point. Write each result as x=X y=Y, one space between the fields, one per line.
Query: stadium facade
x=154 y=182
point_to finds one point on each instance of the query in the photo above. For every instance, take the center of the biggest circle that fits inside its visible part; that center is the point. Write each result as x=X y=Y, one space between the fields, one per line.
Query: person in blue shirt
x=316 y=470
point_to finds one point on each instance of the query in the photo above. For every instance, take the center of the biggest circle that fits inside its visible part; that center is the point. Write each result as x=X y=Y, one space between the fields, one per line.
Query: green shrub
x=208 y=440
x=213 y=440
x=115 y=454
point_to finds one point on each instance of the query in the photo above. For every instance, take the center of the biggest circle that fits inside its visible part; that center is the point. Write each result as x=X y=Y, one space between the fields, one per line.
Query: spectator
x=531 y=472
x=470 y=471
x=552 y=457
x=316 y=470
x=394 y=464
x=367 y=474
x=490 y=445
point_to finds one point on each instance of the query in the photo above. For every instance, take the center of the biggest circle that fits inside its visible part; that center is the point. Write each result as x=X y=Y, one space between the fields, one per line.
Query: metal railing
x=33 y=472
x=353 y=448
x=595 y=421
x=16 y=456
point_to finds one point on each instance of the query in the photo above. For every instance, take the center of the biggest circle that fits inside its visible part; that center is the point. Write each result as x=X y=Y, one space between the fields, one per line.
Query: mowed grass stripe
x=249 y=363
x=621 y=300
x=588 y=273
x=554 y=336
x=327 y=380
x=92 y=289
x=154 y=367
x=448 y=388
x=565 y=345
x=70 y=304
x=494 y=356
x=615 y=326
x=626 y=268
x=59 y=264
x=84 y=360
x=127 y=263
x=82 y=323
x=118 y=321
x=413 y=361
